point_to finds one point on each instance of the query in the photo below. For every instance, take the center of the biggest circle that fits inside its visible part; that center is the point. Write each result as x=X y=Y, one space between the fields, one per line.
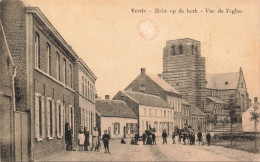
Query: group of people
x=189 y=137
x=83 y=139
x=149 y=137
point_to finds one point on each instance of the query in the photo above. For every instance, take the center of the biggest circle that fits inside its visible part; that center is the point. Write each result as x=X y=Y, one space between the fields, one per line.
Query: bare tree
x=255 y=117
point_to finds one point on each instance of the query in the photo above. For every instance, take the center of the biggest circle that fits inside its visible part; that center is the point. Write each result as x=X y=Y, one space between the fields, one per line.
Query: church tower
x=184 y=69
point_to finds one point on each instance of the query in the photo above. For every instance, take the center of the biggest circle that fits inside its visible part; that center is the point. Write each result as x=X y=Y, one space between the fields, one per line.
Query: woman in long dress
x=94 y=139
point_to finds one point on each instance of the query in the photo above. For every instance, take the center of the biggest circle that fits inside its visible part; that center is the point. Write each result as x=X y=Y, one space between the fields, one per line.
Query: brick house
x=44 y=83
x=84 y=98
x=155 y=85
x=7 y=100
x=117 y=118
x=151 y=111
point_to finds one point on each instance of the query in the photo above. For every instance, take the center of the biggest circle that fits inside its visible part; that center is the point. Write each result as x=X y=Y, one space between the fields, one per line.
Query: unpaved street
x=159 y=152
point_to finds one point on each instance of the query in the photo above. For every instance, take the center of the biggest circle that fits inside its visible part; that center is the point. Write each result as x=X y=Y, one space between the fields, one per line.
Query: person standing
x=105 y=139
x=86 y=143
x=179 y=138
x=164 y=136
x=94 y=139
x=173 y=138
x=144 y=138
x=154 y=138
x=184 y=138
x=208 y=136
x=81 y=139
x=199 y=135
x=68 y=137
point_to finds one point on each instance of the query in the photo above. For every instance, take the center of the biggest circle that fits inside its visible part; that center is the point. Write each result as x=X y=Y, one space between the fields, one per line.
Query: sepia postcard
x=132 y=80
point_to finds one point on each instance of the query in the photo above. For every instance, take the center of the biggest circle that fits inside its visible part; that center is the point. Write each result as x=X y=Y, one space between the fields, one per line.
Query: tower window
x=173 y=50
x=192 y=49
x=181 y=49
x=226 y=83
x=177 y=83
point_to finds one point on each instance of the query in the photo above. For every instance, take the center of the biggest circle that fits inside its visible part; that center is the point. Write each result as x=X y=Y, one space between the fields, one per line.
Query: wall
x=154 y=118
x=107 y=122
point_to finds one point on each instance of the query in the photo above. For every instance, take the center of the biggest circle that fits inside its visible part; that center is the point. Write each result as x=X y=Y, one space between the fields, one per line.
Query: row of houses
x=149 y=102
x=44 y=85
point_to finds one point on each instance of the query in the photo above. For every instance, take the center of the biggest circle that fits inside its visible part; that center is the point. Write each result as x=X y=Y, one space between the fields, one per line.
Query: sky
x=116 y=42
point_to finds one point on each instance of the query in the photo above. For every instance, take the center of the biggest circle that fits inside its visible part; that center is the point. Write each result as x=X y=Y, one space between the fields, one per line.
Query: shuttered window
x=59 y=119
x=39 y=117
x=49 y=110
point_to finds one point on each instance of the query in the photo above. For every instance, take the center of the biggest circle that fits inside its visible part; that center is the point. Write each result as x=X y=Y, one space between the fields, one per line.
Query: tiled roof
x=184 y=102
x=216 y=100
x=114 y=108
x=195 y=110
x=146 y=99
x=162 y=83
x=217 y=81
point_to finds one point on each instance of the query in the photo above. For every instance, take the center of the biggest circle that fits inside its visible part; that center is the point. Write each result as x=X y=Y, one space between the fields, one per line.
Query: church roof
x=146 y=99
x=162 y=83
x=216 y=100
x=222 y=81
x=114 y=108
x=195 y=110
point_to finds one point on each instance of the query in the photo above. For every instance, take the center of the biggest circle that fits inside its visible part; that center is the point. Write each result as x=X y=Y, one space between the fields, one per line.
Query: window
x=181 y=49
x=82 y=81
x=37 y=50
x=131 y=128
x=155 y=113
x=39 y=117
x=48 y=59
x=71 y=118
x=164 y=114
x=173 y=50
x=59 y=117
x=64 y=71
x=116 y=128
x=156 y=126
x=144 y=112
x=226 y=83
x=168 y=114
x=150 y=112
x=50 y=118
x=58 y=66
x=161 y=113
x=192 y=49
x=196 y=49
x=86 y=88
x=70 y=74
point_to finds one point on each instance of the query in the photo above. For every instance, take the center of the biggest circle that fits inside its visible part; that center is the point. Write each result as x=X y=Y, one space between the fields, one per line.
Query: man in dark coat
x=164 y=136
x=68 y=137
x=105 y=139
x=144 y=138
x=86 y=143
x=208 y=136
x=199 y=135
x=154 y=138
x=173 y=138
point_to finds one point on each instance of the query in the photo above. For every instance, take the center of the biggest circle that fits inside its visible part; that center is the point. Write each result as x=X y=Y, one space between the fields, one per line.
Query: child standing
x=105 y=139
x=81 y=139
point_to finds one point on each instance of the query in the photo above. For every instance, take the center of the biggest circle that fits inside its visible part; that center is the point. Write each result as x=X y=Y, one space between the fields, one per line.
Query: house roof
x=162 y=83
x=184 y=102
x=195 y=110
x=218 y=81
x=146 y=99
x=114 y=108
x=216 y=100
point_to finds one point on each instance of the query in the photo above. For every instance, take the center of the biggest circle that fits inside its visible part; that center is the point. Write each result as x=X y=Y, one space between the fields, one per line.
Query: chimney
x=255 y=100
x=159 y=75
x=107 y=97
x=142 y=70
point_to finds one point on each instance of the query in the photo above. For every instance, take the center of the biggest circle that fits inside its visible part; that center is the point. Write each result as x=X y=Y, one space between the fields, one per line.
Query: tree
x=255 y=117
x=232 y=107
